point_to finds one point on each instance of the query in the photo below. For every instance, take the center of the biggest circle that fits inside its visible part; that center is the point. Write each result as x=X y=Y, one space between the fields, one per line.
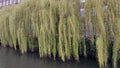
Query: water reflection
x=9 y=58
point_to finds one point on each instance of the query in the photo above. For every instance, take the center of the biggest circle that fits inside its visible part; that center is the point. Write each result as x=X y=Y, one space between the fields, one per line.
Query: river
x=9 y=58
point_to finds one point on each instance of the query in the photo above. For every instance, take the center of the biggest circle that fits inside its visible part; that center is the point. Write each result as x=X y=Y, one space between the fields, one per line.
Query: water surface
x=9 y=58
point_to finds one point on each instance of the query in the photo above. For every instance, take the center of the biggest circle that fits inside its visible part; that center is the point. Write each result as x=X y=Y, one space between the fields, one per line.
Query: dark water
x=9 y=58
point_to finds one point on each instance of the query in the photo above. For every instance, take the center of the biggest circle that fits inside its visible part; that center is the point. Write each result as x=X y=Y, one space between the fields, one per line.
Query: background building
x=8 y=2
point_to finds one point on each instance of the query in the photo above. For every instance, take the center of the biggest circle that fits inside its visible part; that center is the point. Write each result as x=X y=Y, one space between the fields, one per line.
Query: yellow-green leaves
x=56 y=28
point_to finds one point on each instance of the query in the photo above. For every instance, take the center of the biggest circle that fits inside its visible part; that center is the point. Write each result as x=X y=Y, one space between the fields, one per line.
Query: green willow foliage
x=56 y=28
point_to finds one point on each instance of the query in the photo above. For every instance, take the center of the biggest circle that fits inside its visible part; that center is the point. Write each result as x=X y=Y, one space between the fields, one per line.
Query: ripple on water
x=2 y=66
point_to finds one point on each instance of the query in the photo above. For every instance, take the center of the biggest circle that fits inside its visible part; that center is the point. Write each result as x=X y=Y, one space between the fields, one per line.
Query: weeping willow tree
x=94 y=16
x=5 y=36
x=116 y=31
x=104 y=15
x=56 y=28
x=69 y=33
